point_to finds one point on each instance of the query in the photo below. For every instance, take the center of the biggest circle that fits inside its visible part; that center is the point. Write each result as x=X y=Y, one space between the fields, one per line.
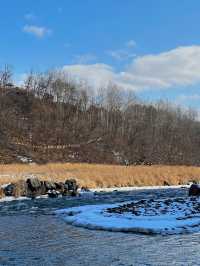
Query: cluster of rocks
x=33 y=187
x=183 y=206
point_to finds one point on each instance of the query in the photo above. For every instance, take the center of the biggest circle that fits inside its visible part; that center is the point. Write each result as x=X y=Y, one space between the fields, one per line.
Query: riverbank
x=102 y=176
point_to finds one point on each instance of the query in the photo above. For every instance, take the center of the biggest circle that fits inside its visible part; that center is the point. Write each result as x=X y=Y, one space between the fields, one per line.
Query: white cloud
x=37 y=31
x=177 y=67
x=96 y=75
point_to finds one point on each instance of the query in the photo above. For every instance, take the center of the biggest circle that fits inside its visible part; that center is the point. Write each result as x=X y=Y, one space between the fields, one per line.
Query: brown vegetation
x=54 y=119
x=98 y=175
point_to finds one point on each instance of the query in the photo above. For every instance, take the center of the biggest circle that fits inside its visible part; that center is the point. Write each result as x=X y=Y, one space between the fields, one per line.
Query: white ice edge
x=111 y=189
x=94 y=217
x=5 y=199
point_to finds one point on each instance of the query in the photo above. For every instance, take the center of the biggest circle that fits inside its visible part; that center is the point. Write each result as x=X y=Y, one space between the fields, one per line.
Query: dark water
x=31 y=235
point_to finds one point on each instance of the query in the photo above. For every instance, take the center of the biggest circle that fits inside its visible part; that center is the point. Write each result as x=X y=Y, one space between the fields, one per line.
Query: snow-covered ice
x=111 y=189
x=180 y=217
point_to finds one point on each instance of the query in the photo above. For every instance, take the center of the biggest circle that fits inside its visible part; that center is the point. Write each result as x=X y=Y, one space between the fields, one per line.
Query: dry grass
x=94 y=175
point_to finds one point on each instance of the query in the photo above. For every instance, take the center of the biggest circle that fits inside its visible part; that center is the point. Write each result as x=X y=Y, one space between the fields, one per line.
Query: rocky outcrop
x=33 y=187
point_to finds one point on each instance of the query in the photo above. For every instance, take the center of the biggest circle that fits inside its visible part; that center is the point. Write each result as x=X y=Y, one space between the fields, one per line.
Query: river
x=30 y=234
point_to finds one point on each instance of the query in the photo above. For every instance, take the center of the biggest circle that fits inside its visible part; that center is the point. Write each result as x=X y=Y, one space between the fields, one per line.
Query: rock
x=66 y=192
x=20 y=189
x=8 y=190
x=49 y=185
x=60 y=186
x=71 y=184
x=33 y=184
x=43 y=189
x=53 y=193
x=35 y=187
x=165 y=183
x=70 y=188
x=194 y=190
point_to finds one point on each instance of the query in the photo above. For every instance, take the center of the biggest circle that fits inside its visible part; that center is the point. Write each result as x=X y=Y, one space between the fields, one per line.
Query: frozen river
x=31 y=235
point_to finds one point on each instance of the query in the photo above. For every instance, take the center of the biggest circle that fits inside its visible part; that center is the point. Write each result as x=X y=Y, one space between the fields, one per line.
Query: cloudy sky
x=149 y=46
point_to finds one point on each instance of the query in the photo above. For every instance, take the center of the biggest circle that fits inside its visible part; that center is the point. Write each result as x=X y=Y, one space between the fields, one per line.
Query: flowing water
x=30 y=234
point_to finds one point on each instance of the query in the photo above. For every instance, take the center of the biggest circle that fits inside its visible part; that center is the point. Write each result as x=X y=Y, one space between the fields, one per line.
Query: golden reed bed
x=96 y=175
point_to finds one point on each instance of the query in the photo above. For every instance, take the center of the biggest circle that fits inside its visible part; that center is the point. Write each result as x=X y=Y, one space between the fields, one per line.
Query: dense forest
x=54 y=118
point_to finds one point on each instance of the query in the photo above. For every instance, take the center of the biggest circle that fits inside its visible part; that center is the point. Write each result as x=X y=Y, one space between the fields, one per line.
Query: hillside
x=52 y=119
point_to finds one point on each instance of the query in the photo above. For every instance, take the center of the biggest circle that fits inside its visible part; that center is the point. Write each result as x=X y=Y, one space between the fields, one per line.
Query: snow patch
x=24 y=159
x=97 y=217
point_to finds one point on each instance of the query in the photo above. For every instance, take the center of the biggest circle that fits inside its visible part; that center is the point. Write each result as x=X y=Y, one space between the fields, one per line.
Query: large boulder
x=71 y=184
x=194 y=190
x=20 y=189
x=70 y=188
x=33 y=183
x=35 y=187
x=9 y=190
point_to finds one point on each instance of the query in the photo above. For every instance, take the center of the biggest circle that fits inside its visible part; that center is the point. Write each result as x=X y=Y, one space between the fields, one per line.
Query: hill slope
x=44 y=127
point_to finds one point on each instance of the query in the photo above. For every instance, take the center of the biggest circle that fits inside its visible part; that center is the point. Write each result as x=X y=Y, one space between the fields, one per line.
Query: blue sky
x=149 y=46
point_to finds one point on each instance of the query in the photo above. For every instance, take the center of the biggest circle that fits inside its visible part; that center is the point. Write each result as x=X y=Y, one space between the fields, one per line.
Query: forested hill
x=54 y=119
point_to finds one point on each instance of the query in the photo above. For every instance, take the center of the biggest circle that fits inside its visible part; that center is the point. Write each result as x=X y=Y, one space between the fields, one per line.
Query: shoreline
x=96 y=190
